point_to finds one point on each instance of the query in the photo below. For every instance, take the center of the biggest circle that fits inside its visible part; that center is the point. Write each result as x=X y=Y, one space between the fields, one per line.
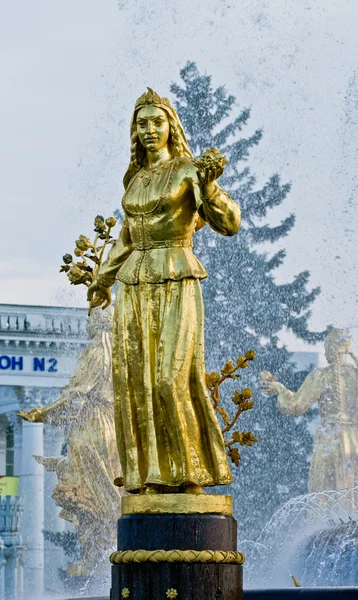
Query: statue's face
x=152 y=128
x=331 y=350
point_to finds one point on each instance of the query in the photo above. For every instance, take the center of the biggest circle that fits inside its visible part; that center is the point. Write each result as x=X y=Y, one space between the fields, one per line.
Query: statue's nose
x=150 y=127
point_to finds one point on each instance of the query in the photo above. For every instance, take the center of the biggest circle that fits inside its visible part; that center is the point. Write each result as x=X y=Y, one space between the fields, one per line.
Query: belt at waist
x=153 y=244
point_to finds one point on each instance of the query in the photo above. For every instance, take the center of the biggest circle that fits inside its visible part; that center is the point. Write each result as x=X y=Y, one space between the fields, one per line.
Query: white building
x=38 y=350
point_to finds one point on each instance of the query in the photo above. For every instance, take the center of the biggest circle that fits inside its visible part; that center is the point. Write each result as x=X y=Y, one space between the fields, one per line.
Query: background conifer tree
x=244 y=306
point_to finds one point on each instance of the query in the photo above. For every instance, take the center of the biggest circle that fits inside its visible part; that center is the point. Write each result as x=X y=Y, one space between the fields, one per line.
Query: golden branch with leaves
x=240 y=399
x=82 y=271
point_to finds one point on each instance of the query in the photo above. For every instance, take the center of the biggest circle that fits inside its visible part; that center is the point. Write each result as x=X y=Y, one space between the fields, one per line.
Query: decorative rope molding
x=175 y=556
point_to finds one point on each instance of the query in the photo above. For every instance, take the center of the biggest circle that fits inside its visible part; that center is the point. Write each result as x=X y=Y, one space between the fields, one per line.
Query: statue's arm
x=119 y=252
x=297 y=403
x=215 y=207
x=54 y=413
x=220 y=212
x=51 y=413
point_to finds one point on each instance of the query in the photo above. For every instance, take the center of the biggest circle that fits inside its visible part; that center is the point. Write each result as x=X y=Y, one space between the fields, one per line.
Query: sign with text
x=11 y=364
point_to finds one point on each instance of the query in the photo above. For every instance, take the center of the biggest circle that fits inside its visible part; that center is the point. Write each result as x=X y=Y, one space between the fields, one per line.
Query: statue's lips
x=152 y=139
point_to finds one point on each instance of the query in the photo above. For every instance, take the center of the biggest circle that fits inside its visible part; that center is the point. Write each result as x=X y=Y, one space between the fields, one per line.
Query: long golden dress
x=167 y=430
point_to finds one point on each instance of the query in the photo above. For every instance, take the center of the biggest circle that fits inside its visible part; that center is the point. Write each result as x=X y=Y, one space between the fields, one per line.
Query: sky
x=71 y=72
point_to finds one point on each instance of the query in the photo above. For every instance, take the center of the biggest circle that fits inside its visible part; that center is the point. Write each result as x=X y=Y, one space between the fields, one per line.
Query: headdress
x=151 y=97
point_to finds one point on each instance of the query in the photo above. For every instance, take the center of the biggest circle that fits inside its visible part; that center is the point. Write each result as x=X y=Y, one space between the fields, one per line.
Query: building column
x=2 y=571
x=54 y=555
x=11 y=512
x=32 y=494
x=17 y=424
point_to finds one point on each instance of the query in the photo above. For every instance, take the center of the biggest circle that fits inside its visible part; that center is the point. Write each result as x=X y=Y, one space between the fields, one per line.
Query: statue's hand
x=97 y=295
x=33 y=416
x=268 y=384
x=207 y=177
x=270 y=388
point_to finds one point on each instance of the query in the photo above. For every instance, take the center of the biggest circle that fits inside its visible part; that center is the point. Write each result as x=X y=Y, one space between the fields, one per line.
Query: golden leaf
x=228 y=368
x=241 y=362
x=211 y=379
x=234 y=454
x=247 y=438
x=247 y=405
x=236 y=436
x=236 y=397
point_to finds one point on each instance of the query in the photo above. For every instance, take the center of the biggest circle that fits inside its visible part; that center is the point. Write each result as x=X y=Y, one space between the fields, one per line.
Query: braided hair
x=334 y=340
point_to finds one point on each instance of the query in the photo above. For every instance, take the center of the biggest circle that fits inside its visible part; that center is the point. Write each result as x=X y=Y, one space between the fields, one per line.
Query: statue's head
x=100 y=321
x=337 y=342
x=155 y=124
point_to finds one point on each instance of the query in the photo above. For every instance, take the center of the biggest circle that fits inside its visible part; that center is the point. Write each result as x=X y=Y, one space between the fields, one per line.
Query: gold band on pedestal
x=177 y=556
x=177 y=503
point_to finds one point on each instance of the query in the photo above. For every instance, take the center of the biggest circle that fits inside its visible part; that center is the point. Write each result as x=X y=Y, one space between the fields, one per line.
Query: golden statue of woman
x=168 y=436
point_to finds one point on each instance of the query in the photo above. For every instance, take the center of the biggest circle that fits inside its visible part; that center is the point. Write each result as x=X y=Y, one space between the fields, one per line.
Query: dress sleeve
x=296 y=404
x=119 y=252
x=219 y=211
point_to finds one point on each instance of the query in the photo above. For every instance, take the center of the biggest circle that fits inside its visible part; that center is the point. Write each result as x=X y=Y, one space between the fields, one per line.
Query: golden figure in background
x=85 y=489
x=168 y=435
x=334 y=464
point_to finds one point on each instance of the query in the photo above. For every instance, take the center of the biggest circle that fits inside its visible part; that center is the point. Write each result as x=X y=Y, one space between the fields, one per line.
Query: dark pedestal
x=177 y=580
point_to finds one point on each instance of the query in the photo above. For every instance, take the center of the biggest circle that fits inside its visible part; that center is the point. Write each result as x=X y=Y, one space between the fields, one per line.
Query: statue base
x=171 y=555
x=177 y=504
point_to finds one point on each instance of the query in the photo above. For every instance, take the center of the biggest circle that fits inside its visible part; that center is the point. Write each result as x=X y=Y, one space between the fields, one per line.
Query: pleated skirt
x=166 y=427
